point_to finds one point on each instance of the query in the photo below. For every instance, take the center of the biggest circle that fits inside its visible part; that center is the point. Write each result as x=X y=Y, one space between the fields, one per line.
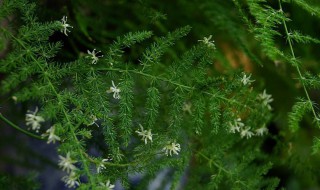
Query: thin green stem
x=20 y=129
x=189 y=88
x=109 y=163
x=296 y=66
x=214 y=163
x=221 y=168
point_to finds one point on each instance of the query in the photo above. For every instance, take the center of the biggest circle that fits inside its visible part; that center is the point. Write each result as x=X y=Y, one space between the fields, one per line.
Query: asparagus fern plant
x=119 y=98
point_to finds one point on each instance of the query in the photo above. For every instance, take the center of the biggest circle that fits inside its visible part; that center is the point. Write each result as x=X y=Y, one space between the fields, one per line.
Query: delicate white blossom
x=246 y=133
x=51 y=136
x=146 y=134
x=33 y=120
x=93 y=56
x=207 y=42
x=108 y=185
x=266 y=99
x=101 y=165
x=66 y=163
x=172 y=148
x=235 y=126
x=246 y=79
x=65 y=25
x=71 y=180
x=261 y=131
x=94 y=119
x=115 y=90
x=187 y=107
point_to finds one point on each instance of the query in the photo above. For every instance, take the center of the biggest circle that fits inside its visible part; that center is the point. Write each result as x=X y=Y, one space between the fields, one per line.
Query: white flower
x=115 y=90
x=146 y=134
x=108 y=185
x=51 y=136
x=93 y=56
x=187 y=107
x=266 y=99
x=172 y=147
x=208 y=42
x=34 y=120
x=94 y=119
x=246 y=80
x=65 y=26
x=246 y=133
x=261 y=131
x=235 y=126
x=71 y=180
x=67 y=163
x=101 y=165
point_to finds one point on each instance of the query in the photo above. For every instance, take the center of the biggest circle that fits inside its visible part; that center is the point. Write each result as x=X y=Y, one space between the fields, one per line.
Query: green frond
x=126 y=106
x=131 y=38
x=152 y=54
x=299 y=109
x=17 y=77
x=156 y=16
x=38 y=32
x=152 y=106
x=115 y=50
x=310 y=8
x=7 y=8
x=175 y=108
x=311 y=81
x=198 y=114
x=301 y=38
x=215 y=115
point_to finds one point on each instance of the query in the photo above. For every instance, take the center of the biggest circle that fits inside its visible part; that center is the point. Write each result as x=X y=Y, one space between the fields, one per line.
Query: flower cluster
x=207 y=42
x=65 y=25
x=93 y=56
x=238 y=126
x=246 y=133
x=51 y=136
x=33 y=120
x=235 y=126
x=71 y=180
x=172 y=147
x=266 y=99
x=115 y=90
x=145 y=134
x=66 y=163
x=101 y=166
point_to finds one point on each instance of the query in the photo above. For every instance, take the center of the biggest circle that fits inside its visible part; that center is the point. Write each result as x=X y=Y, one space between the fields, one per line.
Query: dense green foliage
x=185 y=86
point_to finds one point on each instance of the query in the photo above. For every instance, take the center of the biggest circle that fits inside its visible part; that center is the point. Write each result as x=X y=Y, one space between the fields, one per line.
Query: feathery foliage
x=159 y=95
